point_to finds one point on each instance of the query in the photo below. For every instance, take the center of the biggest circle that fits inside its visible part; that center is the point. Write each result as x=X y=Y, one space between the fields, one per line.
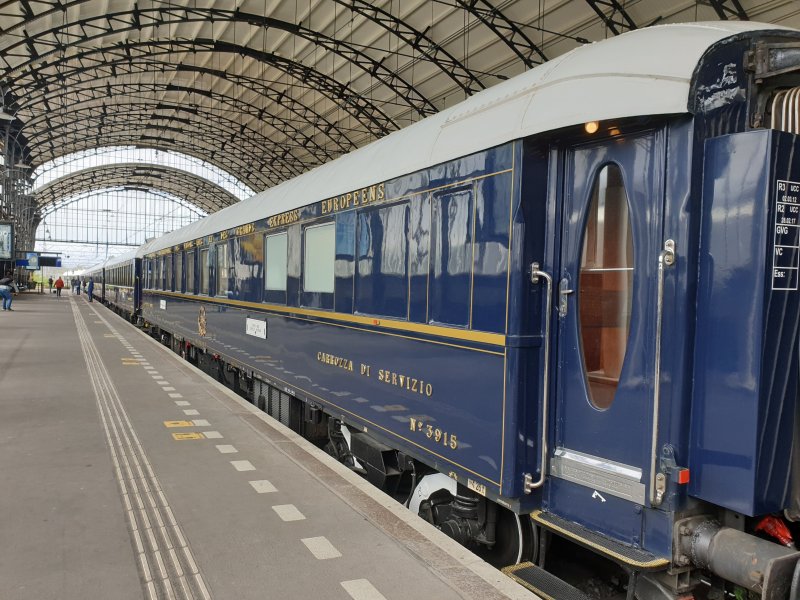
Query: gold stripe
x=480 y=337
x=650 y=564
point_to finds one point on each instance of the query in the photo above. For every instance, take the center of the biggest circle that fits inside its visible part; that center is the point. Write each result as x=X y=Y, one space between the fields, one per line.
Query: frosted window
x=276 y=260
x=179 y=272
x=222 y=270
x=204 y=272
x=320 y=251
x=190 y=273
x=168 y=272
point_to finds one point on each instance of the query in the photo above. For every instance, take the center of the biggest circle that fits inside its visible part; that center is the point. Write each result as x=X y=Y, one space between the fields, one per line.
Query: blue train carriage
x=564 y=311
x=122 y=284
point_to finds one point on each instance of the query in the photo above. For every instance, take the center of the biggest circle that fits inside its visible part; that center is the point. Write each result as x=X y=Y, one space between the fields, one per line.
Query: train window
x=168 y=272
x=451 y=257
x=276 y=260
x=160 y=273
x=606 y=286
x=204 y=272
x=318 y=258
x=223 y=278
x=179 y=272
x=382 y=261
x=190 y=272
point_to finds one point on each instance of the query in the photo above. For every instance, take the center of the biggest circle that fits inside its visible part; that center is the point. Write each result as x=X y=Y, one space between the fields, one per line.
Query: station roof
x=268 y=89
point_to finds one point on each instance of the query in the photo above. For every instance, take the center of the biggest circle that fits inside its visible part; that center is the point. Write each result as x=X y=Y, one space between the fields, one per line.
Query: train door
x=605 y=305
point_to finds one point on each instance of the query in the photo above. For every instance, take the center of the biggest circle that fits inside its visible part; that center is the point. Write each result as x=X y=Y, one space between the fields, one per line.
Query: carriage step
x=543 y=584
x=638 y=559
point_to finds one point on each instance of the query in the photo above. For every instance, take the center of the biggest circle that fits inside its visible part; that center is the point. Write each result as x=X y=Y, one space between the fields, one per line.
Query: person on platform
x=7 y=288
x=59 y=286
x=90 y=288
x=77 y=286
x=50 y=282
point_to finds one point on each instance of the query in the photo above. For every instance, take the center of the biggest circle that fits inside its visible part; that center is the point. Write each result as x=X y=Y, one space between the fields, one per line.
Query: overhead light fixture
x=23 y=165
x=592 y=127
x=4 y=116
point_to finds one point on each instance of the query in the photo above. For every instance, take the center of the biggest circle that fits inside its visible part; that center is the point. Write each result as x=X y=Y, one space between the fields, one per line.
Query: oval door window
x=605 y=286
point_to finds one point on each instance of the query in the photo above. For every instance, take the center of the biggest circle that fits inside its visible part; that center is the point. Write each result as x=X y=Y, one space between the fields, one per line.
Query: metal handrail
x=665 y=258
x=531 y=485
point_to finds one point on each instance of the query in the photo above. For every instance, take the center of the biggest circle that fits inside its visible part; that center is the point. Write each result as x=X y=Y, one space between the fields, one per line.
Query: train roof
x=642 y=72
x=121 y=258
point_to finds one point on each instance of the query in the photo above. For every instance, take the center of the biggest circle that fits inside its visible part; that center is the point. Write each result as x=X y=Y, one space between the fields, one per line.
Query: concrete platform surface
x=127 y=473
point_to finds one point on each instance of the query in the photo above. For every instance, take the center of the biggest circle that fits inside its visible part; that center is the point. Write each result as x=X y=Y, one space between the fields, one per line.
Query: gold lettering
x=381 y=192
x=355 y=197
x=413 y=423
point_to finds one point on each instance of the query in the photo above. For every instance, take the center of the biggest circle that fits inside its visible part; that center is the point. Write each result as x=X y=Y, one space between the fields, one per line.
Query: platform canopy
x=268 y=89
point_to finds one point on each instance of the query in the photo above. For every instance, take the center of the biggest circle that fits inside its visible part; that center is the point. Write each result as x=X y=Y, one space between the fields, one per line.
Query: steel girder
x=726 y=9
x=81 y=31
x=419 y=41
x=505 y=29
x=98 y=90
x=70 y=131
x=144 y=56
x=191 y=188
x=618 y=20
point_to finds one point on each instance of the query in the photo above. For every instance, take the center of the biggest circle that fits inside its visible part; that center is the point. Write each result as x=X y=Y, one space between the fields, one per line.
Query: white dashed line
x=200 y=422
x=362 y=589
x=158 y=377
x=227 y=449
x=289 y=512
x=212 y=435
x=169 y=389
x=321 y=548
x=262 y=486
x=183 y=403
x=162 y=382
x=191 y=412
x=243 y=465
x=175 y=395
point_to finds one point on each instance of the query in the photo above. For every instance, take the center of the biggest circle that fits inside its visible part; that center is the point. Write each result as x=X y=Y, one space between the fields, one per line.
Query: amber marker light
x=592 y=126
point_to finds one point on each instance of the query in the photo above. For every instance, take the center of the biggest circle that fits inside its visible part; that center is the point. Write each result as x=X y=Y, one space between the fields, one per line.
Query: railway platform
x=127 y=473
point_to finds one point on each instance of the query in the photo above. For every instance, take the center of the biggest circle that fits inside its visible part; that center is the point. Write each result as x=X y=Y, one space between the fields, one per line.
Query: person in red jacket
x=59 y=286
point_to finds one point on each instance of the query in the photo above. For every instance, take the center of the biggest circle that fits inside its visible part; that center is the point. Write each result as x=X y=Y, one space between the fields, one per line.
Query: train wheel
x=515 y=535
x=517 y=540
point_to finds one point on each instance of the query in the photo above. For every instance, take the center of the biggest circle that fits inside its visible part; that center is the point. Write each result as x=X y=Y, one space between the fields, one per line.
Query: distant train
x=563 y=313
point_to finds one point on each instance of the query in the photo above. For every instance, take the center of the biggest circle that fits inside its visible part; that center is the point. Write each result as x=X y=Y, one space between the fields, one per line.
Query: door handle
x=563 y=297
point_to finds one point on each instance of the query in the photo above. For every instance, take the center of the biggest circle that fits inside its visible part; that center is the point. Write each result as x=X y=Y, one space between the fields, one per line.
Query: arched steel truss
x=189 y=187
x=265 y=95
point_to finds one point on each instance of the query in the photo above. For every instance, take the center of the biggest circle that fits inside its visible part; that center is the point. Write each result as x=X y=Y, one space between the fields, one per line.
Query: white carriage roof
x=643 y=72
x=121 y=258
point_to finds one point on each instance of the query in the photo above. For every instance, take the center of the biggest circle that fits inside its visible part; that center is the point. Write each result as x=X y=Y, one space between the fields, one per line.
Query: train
x=559 y=318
